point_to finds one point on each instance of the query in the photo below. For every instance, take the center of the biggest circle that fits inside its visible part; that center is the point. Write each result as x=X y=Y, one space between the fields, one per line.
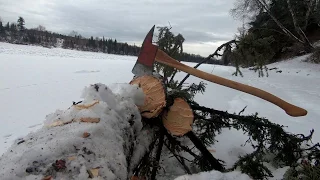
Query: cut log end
x=155 y=97
x=178 y=120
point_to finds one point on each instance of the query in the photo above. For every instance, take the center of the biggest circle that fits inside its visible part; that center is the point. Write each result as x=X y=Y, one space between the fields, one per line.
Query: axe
x=150 y=53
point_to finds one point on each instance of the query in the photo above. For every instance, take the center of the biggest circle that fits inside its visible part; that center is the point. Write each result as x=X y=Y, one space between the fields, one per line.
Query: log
x=155 y=95
x=179 y=118
x=81 y=146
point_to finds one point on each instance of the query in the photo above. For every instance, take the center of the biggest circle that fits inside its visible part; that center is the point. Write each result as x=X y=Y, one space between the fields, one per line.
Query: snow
x=36 y=81
x=107 y=147
x=215 y=175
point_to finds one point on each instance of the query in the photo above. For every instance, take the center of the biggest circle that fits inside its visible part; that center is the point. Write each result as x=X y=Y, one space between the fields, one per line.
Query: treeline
x=109 y=46
x=17 y=33
x=197 y=58
x=276 y=29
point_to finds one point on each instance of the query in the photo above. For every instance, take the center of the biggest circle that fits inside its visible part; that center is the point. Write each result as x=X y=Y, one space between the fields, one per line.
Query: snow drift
x=93 y=137
x=215 y=175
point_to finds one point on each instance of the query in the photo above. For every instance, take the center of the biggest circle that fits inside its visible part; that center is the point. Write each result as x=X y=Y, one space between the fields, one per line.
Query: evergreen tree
x=172 y=45
x=21 y=24
x=7 y=26
x=109 y=45
x=1 y=27
x=115 y=46
x=282 y=27
x=103 y=44
x=13 y=27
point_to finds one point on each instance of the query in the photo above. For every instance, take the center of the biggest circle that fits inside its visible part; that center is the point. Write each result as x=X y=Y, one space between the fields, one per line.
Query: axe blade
x=146 y=58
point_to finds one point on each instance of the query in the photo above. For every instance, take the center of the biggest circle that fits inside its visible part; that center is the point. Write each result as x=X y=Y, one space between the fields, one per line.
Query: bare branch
x=180 y=159
x=207 y=59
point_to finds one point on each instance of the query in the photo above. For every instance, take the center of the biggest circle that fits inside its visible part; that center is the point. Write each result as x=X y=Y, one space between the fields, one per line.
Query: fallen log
x=92 y=139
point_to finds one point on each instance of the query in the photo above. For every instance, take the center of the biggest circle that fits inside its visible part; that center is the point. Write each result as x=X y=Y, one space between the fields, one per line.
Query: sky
x=205 y=24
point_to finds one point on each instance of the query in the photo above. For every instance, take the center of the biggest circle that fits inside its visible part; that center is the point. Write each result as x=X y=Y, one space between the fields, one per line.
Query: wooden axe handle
x=290 y=109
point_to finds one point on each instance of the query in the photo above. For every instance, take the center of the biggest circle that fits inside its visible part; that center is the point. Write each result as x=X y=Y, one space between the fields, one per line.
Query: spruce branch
x=158 y=154
x=212 y=163
x=179 y=158
x=264 y=136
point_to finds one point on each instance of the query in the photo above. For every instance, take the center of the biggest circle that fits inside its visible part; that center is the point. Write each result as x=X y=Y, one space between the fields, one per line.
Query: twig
x=213 y=161
x=173 y=141
x=242 y=110
x=181 y=161
x=155 y=167
x=138 y=167
x=206 y=59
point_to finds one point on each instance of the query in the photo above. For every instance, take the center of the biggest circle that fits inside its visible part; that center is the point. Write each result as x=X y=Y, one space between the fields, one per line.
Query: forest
x=17 y=33
x=275 y=30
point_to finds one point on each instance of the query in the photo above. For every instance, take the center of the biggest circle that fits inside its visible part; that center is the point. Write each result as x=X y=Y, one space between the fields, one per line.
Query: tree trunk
x=302 y=40
x=309 y=9
x=307 y=45
x=284 y=29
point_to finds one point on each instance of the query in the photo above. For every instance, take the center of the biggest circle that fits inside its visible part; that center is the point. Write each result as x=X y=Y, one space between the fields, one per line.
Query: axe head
x=145 y=61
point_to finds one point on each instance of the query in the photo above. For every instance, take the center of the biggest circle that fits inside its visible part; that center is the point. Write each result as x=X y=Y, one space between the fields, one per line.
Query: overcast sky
x=205 y=24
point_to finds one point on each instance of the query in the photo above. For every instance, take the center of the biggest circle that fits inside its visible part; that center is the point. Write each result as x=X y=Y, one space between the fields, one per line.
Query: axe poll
x=150 y=53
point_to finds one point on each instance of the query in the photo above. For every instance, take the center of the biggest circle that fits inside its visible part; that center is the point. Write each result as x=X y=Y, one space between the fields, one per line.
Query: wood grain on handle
x=290 y=109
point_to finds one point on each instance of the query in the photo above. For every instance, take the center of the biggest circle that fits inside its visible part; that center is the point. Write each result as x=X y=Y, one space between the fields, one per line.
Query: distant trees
x=41 y=28
x=12 y=33
x=74 y=33
x=1 y=26
x=7 y=26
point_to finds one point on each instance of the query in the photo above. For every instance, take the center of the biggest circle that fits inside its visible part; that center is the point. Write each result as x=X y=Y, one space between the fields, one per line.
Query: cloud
x=127 y=20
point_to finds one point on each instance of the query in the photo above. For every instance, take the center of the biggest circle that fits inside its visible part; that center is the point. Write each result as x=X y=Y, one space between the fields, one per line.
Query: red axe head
x=144 y=64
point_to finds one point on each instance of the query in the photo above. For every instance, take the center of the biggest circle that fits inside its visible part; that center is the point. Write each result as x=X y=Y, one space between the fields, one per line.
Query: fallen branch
x=158 y=154
x=207 y=59
x=215 y=164
x=180 y=159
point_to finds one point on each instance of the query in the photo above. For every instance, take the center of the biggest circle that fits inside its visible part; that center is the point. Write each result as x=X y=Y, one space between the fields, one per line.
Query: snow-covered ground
x=35 y=81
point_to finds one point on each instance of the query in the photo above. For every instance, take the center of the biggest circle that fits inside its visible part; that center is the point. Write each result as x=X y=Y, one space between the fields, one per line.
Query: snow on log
x=91 y=139
x=155 y=95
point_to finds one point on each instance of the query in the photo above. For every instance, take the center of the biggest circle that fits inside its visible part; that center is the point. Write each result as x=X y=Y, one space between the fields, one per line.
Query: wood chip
x=212 y=150
x=137 y=178
x=56 y=123
x=93 y=172
x=59 y=123
x=86 y=134
x=71 y=158
x=90 y=120
x=47 y=178
x=82 y=106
